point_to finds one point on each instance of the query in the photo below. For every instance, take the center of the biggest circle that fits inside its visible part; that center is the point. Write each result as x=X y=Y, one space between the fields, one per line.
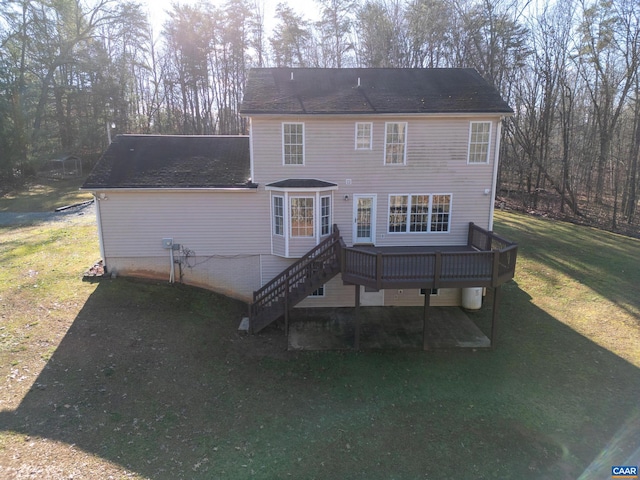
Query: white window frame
x=320 y=292
x=431 y=212
x=388 y=144
x=324 y=215
x=285 y=144
x=358 y=144
x=409 y=204
x=406 y=222
x=275 y=216
x=474 y=144
x=434 y=292
x=308 y=209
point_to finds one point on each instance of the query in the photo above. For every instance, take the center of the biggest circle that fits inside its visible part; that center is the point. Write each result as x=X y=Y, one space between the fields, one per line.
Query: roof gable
x=166 y=161
x=369 y=90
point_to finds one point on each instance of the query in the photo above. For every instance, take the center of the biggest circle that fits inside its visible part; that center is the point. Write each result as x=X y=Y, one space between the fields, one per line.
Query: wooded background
x=73 y=73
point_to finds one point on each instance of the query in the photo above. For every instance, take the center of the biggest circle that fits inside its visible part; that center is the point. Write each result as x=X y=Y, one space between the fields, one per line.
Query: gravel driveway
x=72 y=215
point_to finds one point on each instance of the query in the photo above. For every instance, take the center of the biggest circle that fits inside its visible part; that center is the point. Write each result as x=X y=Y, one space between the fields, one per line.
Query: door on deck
x=364 y=213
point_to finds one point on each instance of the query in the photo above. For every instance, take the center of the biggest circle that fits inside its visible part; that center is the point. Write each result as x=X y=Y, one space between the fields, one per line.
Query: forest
x=74 y=73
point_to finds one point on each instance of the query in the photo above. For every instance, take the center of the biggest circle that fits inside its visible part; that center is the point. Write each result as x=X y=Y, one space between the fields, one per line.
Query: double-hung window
x=479 y=136
x=293 y=143
x=419 y=213
x=363 y=136
x=278 y=215
x=395 y=146
x=302 y=217
x=325 y=215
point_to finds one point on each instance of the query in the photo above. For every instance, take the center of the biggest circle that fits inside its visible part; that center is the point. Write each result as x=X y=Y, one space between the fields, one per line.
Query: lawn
x=129 y=379
x=44 y=195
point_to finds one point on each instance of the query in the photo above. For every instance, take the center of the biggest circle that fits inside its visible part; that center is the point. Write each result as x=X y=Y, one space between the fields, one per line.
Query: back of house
x=399 y=160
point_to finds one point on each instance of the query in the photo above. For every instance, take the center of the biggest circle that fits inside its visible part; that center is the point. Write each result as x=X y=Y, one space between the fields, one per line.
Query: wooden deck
x=487 y=260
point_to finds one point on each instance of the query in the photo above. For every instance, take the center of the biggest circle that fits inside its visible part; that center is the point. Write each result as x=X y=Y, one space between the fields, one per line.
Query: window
x=278 y=215
x=302 y=217
x=363 y=136
x=318 y=293
x=440 y=210
x=419 y=213
x=432 y=291
x=398 y=213
x=479 y=135
x=325 y=215
x=293 y=143
x=395 y=143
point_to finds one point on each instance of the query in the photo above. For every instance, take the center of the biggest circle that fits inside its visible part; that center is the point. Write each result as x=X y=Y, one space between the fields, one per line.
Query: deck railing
x=489 y=263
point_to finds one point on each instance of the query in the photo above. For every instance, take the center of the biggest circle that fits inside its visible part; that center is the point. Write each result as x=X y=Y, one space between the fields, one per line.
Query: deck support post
x=356 y=338
x=425 y=317
x=286 y=308
x=494 y=314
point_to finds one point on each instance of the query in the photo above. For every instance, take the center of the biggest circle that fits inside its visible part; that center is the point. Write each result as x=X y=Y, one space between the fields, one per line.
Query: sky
x=157 y=8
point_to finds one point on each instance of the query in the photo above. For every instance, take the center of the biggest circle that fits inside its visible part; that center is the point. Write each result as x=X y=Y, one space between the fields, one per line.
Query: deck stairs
x=297 y=282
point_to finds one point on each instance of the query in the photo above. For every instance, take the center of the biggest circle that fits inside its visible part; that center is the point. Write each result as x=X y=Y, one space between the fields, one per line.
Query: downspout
x=96 y=200
x=172 y=275
x=494 y=186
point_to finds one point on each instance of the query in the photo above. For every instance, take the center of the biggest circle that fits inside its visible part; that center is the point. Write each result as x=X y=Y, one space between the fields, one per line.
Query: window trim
x=284 y=154
x=434 y=292
x=273 y=216
x=488 y=142
x=322 y=216
x=430 y=213
x=313 y=213
x=321 y=288
x=386 y=144
x=370 y=146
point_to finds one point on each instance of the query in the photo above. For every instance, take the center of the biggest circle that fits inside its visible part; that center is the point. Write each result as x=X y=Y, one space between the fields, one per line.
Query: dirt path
x=73 y=215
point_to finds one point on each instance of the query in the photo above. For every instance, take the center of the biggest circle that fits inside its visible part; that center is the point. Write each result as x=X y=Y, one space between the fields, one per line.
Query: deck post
x=494 y=314
x=286 y=307
x=379 y=267
x=425 y=317
x=470 y=235
x=356 y=338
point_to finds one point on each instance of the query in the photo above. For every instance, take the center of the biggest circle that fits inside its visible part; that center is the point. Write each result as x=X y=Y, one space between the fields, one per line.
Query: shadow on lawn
x=157 y=379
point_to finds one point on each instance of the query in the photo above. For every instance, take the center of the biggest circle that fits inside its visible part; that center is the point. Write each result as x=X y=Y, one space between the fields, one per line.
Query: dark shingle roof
x=302 y=183
x=155 y=161
x=381 y=90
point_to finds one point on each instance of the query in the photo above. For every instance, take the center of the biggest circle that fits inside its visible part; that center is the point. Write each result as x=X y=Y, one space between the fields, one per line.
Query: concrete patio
x=385 y=328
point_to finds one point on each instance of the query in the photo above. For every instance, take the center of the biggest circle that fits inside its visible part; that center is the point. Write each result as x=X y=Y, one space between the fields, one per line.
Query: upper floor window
x=419 y=213
x=293 y=143
x=395 y=150
x=479 y=136
x=302 y=217
x=363 y=136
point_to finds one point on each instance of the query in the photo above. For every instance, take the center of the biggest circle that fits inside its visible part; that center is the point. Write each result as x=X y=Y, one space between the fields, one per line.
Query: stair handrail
x=266 y=290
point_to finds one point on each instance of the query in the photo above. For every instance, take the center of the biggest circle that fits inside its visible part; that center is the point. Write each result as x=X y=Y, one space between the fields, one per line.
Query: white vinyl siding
x=364 y=135
x=437 y=151
x=395 y=149
x=293 y=143
x=479 y=139
x=419 y=213
x=224 y=253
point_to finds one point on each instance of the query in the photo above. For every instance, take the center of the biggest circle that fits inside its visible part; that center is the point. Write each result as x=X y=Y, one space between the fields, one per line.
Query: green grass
x=155 y=380
x=44 y=195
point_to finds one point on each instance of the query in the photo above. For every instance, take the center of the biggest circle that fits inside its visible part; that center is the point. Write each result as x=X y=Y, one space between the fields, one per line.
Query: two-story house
x=354 y=187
